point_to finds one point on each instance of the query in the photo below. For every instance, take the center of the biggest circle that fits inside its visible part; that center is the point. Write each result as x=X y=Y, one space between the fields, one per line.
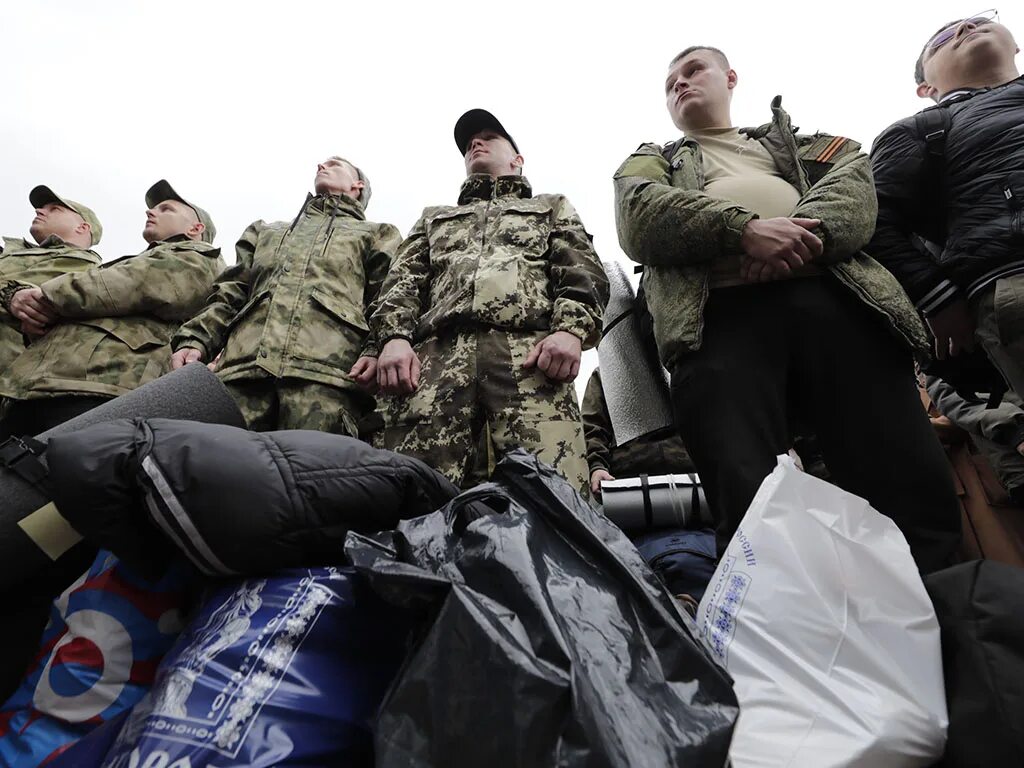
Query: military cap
x=162 y=190
x=474 y=121
x=364 y=194
x=43 y=195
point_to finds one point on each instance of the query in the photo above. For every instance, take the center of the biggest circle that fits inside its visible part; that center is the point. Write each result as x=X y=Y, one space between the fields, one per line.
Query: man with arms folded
x=767 y=315
x=101 y=333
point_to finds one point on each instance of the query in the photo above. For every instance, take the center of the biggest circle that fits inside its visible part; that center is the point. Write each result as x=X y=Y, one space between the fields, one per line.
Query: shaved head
x=722 y=58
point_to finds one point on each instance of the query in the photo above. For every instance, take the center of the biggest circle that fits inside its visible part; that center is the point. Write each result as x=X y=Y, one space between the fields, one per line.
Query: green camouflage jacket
x=501 y=257
x=117 y=321
x=660 y=454
x=295 y=302
x=667 y=223
x=24 y=264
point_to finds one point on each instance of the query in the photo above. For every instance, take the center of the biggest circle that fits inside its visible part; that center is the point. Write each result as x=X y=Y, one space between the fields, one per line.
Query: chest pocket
x=524 y=229
x=452 y=233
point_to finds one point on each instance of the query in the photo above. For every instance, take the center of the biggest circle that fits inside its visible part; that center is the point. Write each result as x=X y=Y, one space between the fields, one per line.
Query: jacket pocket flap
x=136 y=334
x=340 y=310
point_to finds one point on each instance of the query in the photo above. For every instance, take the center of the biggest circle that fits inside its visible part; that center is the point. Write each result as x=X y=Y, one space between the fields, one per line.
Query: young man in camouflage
x=484 y=316
x=766 y=312
x=65 y=232
x=104 y=332
x=290 y=315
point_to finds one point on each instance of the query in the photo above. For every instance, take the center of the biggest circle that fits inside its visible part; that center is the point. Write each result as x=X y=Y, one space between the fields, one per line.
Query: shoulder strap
x=669 y=150
x=932 y=126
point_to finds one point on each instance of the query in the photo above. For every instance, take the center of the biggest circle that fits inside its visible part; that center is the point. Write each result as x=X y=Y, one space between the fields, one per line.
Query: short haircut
x=919 y=65
x=722 y=58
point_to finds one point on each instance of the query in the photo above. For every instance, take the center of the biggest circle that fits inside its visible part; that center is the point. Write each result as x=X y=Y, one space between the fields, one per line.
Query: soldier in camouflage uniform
x=483 y=318
x=103 y=332
x=65 y=232
x=290 y=315
x=767 y=313
x=659 y=453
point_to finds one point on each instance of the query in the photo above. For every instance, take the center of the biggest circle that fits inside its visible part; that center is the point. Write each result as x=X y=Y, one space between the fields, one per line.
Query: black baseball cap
x=474 y=121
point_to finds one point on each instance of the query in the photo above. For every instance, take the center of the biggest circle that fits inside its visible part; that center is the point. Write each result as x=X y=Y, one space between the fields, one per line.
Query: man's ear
x=926 y=91
x=84 y=228
x=357 y=188
x=731 y=78
x=195 y=232
x=517 y=163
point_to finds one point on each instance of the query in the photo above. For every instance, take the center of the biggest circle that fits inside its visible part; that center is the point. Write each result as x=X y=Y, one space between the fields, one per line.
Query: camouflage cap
x=43 y=195
x=364 y=194
x=474 y=121
x=162 y=190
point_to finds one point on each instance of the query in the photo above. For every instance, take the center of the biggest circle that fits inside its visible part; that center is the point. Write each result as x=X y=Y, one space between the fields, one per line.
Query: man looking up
x=290 y=314
x=767 y=314
x=64 y=232
x=104 y=332
x=484 y=315
x=953 y=176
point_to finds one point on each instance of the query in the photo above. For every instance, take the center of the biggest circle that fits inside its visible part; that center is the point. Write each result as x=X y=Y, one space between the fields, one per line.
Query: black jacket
x=232 y=501
x=983 y=196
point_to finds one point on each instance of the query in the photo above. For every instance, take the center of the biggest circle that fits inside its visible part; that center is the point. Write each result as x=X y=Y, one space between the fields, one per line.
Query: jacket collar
x=335 y=205
x=481 y=186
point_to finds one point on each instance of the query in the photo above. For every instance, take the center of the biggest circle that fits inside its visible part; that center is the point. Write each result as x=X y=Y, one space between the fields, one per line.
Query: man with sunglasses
x=950 y=183
x=770 y=318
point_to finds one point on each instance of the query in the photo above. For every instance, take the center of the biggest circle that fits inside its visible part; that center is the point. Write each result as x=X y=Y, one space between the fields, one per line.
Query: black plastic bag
x=546 y=639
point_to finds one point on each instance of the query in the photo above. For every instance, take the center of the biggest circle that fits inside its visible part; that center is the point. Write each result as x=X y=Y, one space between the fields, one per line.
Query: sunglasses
x=943 y=37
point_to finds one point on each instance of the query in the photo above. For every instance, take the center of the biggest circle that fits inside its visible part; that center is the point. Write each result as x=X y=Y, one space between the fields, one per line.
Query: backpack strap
x=932 y=128
x=668 y=151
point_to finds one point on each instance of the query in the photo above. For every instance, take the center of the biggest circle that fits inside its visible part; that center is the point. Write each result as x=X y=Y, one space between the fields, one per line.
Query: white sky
x=235 y=103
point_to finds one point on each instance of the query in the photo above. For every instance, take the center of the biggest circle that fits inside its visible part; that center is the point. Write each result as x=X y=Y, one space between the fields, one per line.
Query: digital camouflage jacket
x=24 y=264
x=666 y=222
x=117 y=320
x=295 y=302
x=501 y=258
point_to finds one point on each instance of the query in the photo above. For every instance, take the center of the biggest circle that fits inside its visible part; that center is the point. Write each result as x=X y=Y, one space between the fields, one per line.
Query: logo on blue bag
x=231 y=665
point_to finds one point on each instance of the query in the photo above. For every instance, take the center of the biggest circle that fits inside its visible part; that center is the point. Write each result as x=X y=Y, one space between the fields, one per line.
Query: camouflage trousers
x=473 y=387
x=270 y=403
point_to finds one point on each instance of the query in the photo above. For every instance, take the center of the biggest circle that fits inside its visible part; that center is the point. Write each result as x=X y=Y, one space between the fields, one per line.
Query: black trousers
x=806 y=352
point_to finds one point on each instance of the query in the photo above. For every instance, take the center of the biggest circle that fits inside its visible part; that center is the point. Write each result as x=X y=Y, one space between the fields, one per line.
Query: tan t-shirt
x=739 y=169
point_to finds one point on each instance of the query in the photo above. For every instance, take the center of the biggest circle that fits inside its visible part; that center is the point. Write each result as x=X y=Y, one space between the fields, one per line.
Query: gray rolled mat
x=32 y=532
x=635 y=389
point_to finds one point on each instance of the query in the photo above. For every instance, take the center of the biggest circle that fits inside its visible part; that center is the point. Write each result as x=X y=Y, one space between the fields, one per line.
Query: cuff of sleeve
x=577 y=320
x=370 y=349
x=938 y=298
x=8 y=289
x=178 y=344
x=734 y=231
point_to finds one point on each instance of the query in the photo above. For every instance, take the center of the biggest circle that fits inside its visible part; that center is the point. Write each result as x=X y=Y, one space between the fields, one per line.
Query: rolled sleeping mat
x=32 y=532
x=635 y=387
x=650 y=502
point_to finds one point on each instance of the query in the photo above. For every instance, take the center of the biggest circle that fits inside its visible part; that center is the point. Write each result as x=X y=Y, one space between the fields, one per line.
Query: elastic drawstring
x=302 y=210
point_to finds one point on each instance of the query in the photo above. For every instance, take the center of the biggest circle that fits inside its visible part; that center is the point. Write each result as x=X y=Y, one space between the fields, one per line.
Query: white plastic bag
x=819 y=614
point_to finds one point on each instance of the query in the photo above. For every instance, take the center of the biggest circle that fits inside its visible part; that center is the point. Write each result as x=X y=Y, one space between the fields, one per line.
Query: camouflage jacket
x=501 y=257
x=658 y=454
x=666 y=222
x=295 y=302
x=23 y=265
x=117 y=321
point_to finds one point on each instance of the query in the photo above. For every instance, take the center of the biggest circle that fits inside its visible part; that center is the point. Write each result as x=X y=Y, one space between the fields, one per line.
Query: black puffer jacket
x=232 y=501
x=984 y=191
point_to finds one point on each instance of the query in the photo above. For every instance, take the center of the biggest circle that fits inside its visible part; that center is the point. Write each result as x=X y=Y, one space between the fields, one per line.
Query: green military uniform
x=23 y=265
x=290 y=316
x=116 y=322
x=660 y=453
x=474 y=287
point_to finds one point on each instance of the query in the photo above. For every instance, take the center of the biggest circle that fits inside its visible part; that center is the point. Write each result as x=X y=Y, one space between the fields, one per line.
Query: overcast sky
x=235 y=103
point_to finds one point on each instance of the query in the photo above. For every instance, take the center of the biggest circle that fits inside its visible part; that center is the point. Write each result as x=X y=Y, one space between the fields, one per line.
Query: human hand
x=365 y=373
x=398 y=368
x=773 y=248
x=34 y=310
x=597 y=477
x=953 y=329
x=1020 y=449
x=184 y=356
x=214 y=364
x=557 y=356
